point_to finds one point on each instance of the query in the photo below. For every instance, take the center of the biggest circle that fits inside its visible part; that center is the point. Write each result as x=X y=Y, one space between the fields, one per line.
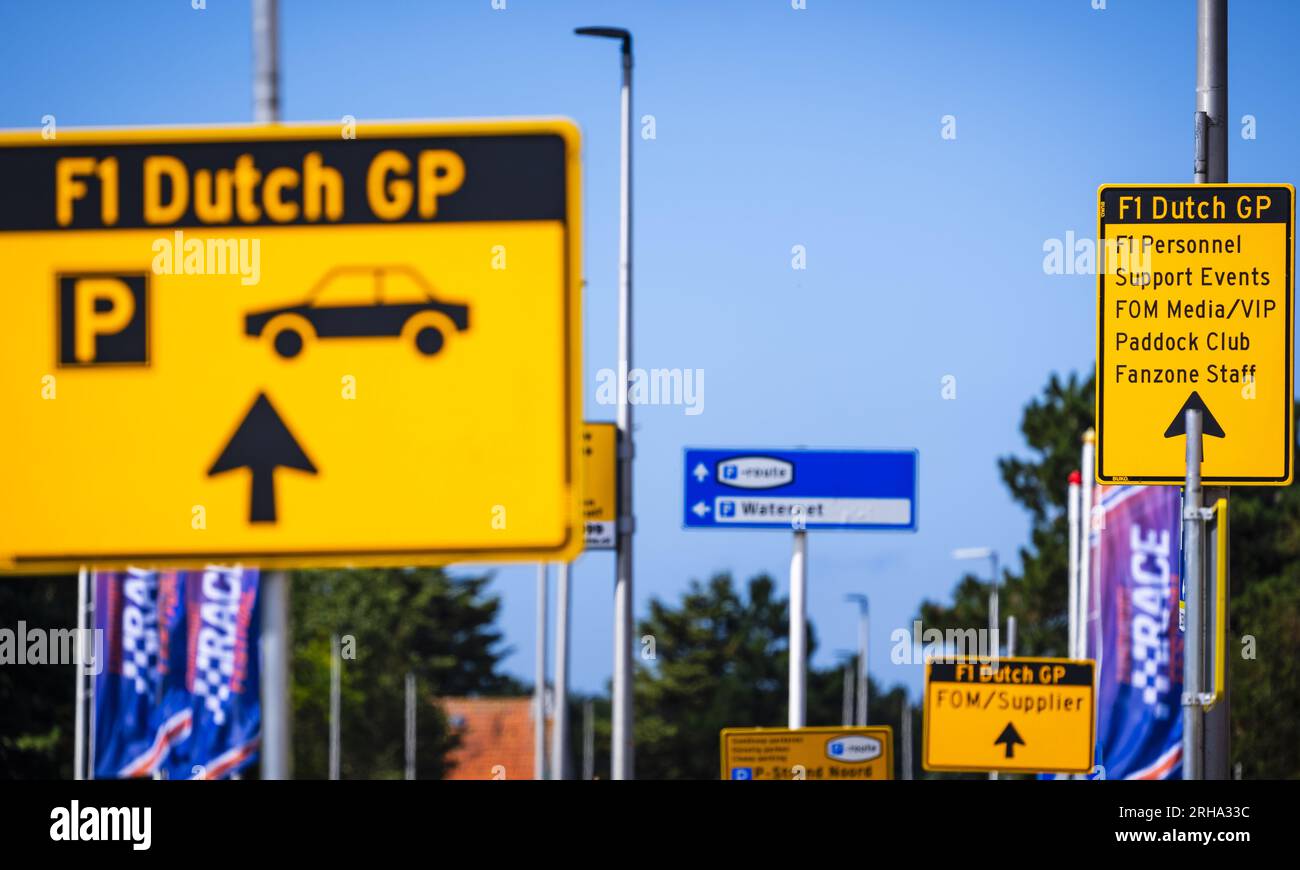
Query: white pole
x=621 y=758
x=560 y=728
x=410 y=725
x=1011 y=637
x=798 y=638
x=79 y=715
x=539 y=680
x=1072 y=502
x=1085 y=544
x=336 y=693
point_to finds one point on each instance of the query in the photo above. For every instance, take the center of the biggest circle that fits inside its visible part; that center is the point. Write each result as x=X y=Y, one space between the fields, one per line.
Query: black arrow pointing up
x=261 y=443
x=1209 y=425
x=1010 y=737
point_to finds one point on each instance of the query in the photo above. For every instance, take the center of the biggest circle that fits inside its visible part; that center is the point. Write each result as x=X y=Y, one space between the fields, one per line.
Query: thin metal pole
x=798 y=637
x=847 y=706
x=1193 y=638
x=1011 y=636
x=79 y=667
x=994 y=621
x=589 y=740
x=560 y=727
x=1085 y=544
x=266 y=61
x=539 y=680
x=622 y=762
x=336 y=693
x=621 y=755
x=410 y=725
x=864 y=659
x=907 y=738
x=1212 y=124
x=1072 y=522
x=1211 y=92
x=276 y=760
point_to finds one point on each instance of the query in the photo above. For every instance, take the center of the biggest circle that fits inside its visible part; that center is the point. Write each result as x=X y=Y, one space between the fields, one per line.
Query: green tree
x=1263 y=651
x=37 y=701
x=1037 y=594
x=390 y=622
x=720 y=660
x=1265 y=575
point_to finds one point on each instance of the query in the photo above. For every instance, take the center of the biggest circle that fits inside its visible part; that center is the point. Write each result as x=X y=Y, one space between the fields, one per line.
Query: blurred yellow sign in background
x=808 y=753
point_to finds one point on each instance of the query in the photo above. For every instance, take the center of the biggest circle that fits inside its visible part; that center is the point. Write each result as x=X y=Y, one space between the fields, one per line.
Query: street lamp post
x=621 y=766
x=864 y=636
x=992 y=555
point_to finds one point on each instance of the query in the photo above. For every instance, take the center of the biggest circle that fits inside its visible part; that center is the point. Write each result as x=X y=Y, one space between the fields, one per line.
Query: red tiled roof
x=496 y=737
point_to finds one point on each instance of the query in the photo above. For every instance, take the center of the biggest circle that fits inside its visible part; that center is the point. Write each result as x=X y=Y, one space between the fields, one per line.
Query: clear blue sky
x=775 y=127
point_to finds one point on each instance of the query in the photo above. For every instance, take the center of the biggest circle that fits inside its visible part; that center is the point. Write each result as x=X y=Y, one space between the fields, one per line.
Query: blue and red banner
x=179 y=695
x=1133 y=631
x=141 y=710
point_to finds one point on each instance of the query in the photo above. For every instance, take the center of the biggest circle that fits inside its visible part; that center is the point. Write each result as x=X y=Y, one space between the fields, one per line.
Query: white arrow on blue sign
x=810 y=489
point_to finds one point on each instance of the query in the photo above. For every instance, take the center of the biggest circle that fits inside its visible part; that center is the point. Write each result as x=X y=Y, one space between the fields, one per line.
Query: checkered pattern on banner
x=213 y=685
x=1147 y=676
x=140 y=651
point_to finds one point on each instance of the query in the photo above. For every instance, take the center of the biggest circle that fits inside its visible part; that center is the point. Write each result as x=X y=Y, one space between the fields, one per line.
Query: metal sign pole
x=539 y=680
x=560 y=728
x=798 y=638
x=275 y=585
x=79 y=715
x=1193 y=638
x=1212 y=167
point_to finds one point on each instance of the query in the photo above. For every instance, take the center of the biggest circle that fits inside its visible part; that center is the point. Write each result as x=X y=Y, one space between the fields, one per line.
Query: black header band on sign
x=1202 y=198
x=506 y=178
x=1032 y=673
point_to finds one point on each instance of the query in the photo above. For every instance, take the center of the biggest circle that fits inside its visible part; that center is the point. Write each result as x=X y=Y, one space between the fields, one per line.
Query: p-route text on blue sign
x=808 y=489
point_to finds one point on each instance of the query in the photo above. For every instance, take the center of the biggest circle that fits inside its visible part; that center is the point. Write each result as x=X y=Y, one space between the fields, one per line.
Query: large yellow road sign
x=808 y=753
x=600 y=485
x=290 y=345
x=1026 y=715
x=1194 y=309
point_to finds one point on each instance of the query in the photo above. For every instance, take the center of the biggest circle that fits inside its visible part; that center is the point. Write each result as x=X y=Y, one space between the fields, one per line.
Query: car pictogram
x=362 y=302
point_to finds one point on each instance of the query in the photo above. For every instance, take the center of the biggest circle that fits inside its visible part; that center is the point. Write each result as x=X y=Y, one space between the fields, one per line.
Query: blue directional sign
x=810 y=489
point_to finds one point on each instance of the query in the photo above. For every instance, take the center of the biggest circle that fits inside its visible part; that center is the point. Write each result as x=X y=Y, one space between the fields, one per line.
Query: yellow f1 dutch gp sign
x=290 y=345
x=1021 y=715
x=1194 y=310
